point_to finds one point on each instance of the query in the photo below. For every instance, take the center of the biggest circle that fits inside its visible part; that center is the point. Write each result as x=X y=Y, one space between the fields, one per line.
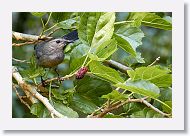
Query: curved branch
x=31 y=91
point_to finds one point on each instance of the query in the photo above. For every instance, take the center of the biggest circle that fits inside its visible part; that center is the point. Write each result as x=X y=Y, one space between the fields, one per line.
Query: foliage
x=102 y=37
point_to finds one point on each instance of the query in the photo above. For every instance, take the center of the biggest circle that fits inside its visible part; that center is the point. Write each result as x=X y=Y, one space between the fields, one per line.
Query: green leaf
x=33 y=69
x=154 y=74
x=64 y=95
x=153 y=114
x=39 y=110
x=104 y=29
x=104 y=51
x=146 y=113
x=95 y=28
x=129 y=38
x=66 y=111
x=142 y=87
x=130 y=108
x=136 y=18
x=38 y=14
x=148 y=19
x=92 y=88
x=78 y=55
x=60 y=16
x=125 y=58
x=130 y=59
x=87 y=26
x=67 y=24
x=115 y=95
x=165 y=108
x=165 y=95
x=83 y=104
x=105 y=72
x=156 y=21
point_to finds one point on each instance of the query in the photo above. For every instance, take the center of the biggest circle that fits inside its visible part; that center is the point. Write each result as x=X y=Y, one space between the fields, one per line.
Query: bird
x=50 y=53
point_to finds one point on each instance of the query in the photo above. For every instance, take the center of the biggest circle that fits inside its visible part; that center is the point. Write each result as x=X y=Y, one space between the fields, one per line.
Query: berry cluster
x=82 y=71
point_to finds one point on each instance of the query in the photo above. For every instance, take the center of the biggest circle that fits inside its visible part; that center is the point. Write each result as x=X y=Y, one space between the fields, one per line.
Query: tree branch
x=117 y=65
x=31 y=91
x=119 y=104
x=28 y=37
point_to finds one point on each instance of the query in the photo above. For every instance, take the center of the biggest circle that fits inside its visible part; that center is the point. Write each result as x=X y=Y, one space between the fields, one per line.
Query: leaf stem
x=51 y=27
x=123 y=22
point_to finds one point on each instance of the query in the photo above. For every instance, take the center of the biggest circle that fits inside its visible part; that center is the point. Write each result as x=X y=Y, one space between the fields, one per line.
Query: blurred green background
x=155 y=43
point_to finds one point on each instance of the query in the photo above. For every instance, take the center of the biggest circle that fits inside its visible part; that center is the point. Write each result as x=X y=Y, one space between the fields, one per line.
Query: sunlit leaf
x=67 y=24
x=96 y=28
x=105 y=72
x=129 y=38
x=154 y=74
x=142 y=87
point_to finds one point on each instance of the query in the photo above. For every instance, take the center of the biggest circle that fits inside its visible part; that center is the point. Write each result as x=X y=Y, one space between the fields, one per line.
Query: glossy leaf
x=66 y=111
x=104 y=51
x=92 y=88
x=154 y=74
x=129 y=38
x=96 y=28
x=83 y=104
x=40 y=110
x=135 y=18
x=156 y=21
x=105 y=72
x=77 y=57
x=142 y=87
x=67 y=24
x=87 y=26
x=146 y=113
x=148 y=19
x=115 y=95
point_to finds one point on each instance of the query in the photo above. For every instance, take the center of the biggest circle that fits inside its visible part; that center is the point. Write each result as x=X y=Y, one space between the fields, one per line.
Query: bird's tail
x=72 y=36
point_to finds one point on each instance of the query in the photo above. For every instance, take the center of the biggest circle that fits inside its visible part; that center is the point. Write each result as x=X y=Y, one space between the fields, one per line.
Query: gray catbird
x=50 y=53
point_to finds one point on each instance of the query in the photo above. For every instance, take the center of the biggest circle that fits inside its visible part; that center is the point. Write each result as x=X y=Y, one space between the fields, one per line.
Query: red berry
x=81 y=72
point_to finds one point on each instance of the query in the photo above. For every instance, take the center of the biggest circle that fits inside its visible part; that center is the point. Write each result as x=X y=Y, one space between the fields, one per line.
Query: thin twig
x=25 y=43
x=117 y=65
x=48 y=35
x=21 y=98
x=119 y=104
x=58 y=78
x=157 y=59
x=20 y=61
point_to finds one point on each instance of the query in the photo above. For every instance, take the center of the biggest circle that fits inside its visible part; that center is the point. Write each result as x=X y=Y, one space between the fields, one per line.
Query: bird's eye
x=58 y=41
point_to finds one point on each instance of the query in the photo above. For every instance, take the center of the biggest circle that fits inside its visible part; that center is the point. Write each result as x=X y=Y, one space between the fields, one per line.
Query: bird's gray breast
x=48 y=56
